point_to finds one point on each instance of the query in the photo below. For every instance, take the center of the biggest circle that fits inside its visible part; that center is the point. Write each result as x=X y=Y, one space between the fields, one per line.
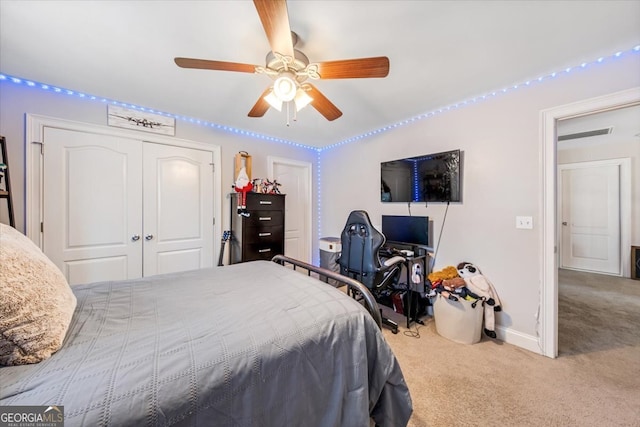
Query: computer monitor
x=410 y=230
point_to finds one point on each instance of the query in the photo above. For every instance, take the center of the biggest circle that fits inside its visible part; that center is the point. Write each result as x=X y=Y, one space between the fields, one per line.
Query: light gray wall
x=502 y=179
x=18 y=100
x=501 y=141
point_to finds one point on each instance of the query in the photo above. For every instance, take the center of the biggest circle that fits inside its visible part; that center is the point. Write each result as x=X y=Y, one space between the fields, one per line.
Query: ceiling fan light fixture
x=285 y=87
x=273 y=100
x=302 y=99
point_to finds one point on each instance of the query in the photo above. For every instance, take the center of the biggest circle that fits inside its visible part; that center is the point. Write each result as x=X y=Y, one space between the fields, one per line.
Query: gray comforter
x=253 y=344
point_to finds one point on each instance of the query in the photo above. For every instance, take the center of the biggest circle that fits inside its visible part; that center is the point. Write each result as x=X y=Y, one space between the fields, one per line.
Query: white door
x=178 y=209
x=116 y=208
x=295 y=180
x=92 y=205
x=590 y=218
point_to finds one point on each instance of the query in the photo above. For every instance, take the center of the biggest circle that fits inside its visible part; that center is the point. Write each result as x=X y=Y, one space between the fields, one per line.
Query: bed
x=252 y=344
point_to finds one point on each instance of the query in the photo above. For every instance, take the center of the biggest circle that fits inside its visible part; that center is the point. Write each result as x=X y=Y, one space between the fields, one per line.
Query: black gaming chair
x=360 y=259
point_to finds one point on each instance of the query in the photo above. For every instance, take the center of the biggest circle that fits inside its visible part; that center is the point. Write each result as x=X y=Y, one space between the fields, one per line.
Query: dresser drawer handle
x=265 y=202
x=264 y=250
x=265 y=218
x=264 y=234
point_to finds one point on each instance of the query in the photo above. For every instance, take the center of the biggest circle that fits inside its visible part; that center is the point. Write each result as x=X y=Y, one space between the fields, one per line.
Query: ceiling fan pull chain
x=288 y=113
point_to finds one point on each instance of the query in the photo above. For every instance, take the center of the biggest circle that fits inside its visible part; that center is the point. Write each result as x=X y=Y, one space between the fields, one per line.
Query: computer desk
x=423 y=258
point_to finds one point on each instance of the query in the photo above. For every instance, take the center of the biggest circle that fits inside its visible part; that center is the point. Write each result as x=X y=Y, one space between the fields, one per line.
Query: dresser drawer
x=257 y=201
x=263 y=234
x=257 y=251
x=264 y=218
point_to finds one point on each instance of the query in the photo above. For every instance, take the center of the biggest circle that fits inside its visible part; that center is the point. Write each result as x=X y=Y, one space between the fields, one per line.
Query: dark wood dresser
x=261 y=234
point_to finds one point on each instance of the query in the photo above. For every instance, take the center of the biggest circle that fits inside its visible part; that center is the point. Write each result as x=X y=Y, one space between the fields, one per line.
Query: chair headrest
x=360 y=219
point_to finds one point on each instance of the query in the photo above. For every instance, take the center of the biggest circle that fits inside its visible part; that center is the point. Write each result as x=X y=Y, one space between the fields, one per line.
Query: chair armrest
x=393 y=261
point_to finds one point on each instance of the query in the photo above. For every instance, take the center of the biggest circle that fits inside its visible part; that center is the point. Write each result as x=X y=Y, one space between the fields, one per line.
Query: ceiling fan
x=290 y=68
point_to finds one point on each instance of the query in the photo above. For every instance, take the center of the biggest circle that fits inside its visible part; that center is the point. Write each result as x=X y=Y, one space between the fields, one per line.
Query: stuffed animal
x=243 y=185
x=450 y=285
x=459 y=287
x=437 y=279
x=454 y=283
x=448 y=272
x=479 y=285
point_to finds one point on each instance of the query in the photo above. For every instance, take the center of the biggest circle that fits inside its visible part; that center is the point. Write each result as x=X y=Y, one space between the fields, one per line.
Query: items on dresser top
x=259 y=233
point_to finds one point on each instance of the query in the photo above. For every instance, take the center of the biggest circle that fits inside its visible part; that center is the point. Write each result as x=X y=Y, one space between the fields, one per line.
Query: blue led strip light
x=480 y=98
x=416 y=187
x=319 y=194
x=229 y=129
x=600 y=60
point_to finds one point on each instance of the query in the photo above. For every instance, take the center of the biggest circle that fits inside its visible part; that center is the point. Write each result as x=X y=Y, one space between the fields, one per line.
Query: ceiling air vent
x=587 y=134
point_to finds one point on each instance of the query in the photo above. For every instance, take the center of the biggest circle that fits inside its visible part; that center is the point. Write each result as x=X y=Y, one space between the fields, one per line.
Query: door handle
x=564 y=222
x=135 y=237
x=148 y=237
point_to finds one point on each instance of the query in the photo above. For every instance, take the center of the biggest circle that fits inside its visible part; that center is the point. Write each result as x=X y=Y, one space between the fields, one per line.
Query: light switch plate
x=524 y=222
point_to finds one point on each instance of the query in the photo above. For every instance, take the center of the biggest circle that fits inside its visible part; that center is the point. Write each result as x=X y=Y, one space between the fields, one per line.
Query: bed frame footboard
x=354 y=286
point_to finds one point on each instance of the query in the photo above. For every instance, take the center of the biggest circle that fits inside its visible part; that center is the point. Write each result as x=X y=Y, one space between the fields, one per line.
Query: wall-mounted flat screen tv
x=429 y=178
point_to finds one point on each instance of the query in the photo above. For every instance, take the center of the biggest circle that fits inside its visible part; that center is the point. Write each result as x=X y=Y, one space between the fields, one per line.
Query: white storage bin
x=330 y=244
x=458 y=320
x=330 y=249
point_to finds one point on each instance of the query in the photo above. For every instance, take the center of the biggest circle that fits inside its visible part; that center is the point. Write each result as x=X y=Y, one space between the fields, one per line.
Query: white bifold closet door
x=116 y=208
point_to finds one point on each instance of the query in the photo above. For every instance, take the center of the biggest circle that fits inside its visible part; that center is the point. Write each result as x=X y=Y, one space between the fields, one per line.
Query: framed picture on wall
x=140 y=120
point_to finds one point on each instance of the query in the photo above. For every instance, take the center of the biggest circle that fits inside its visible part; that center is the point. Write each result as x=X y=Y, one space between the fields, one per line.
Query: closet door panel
x=178 y=209
x=92 y=205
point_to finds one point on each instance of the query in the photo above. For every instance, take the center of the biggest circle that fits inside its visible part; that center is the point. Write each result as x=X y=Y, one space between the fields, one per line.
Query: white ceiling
x=441 y=53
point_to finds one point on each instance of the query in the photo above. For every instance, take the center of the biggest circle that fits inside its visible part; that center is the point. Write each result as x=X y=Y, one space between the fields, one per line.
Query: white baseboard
x=525 y=341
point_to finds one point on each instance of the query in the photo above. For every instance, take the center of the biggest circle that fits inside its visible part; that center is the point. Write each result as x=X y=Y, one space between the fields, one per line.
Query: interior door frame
x=624 y=204
x=34 y=163
x=308 y=217
x=549 y=239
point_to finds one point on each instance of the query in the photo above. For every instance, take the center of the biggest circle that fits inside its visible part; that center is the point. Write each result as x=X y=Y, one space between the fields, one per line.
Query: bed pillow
x=36 y=302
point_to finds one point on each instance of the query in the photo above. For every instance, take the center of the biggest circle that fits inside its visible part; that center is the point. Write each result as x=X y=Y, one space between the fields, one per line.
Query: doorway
x=549 y=123
x=593 y=214
x=295 y=178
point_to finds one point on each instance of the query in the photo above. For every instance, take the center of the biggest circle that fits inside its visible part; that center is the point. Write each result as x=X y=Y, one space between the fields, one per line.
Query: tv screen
x=429 y=178
x=413 y=230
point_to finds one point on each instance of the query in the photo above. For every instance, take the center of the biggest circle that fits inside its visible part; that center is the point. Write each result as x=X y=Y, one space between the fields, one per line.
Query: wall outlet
x=524 y=222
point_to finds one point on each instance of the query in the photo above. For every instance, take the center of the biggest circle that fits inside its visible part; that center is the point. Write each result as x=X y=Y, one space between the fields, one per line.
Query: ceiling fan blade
x=322 y=103
x=206 y=64
x=261 y=106
x=354 y=68
x=275 y=20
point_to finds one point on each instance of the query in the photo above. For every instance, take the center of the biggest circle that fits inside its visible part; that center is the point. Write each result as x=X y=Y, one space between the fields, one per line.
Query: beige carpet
x=595 y=381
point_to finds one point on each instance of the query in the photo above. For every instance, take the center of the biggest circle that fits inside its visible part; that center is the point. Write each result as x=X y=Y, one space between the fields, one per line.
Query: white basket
x=458 y=320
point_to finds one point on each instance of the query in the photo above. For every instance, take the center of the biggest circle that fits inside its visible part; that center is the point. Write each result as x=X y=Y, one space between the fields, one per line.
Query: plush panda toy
x=478 y=284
